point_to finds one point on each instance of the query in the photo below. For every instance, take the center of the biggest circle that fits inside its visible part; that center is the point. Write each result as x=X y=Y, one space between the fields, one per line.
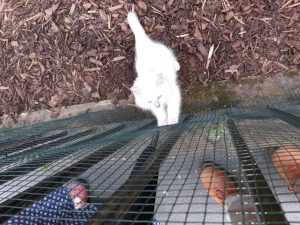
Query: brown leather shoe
x=218 y=183
x=286 y=160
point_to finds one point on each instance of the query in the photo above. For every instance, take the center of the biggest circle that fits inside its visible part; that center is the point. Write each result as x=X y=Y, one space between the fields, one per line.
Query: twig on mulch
x=210 y=53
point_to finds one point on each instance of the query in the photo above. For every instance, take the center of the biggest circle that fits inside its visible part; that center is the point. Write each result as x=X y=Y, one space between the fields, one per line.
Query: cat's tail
x=135 y=25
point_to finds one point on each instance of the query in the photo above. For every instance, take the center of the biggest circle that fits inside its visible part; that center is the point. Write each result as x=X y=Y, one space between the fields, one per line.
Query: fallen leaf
x=170 y=2
x=14 y=44
x=53 y=29
x=179 y=27
x=142 y=5
x=160 y=28
x=200 y=57
x=294 y=18
x=247 y=7
x=54 y=101
x=68 y=20
x=86 y=17
x=91 y=69
x=2 y=4
x=87 y=87
x=38 y=90
x=72 y=9
x=204 y=25
x=42 y=67
x=256 y=56
x=203 y=82
x=232 y=69
x=32 y=55
x=118 y=58
x=202 y=49
x=114 y=8
x=192 y=50
x=265 y=68
x=89 y=79
x=296 y=60
x=49 y=12
x=115 y=15
x=274 y=52
x=86 y=6
x=124 y=26
x=229 y=16
x=24 y=75
x=95 y=95
x=19 y=93
x=3 y=88
x=197 y=34
x=54 y=114
x=95 y=61
x=103 y=15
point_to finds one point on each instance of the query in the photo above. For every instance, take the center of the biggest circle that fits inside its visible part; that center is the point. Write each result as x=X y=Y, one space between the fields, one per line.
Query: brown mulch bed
x=58 y=53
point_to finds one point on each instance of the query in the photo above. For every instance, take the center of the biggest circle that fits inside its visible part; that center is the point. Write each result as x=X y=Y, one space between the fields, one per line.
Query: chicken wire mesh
x=139 y=173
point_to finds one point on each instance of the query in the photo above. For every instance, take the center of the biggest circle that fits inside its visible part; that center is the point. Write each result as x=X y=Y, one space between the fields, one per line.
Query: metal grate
x=142 y=174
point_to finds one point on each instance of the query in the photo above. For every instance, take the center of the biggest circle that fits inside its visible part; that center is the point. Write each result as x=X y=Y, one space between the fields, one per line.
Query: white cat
x=155 y=87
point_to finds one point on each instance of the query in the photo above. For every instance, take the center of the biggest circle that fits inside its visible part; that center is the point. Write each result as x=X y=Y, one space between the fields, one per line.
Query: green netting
x=139 y=173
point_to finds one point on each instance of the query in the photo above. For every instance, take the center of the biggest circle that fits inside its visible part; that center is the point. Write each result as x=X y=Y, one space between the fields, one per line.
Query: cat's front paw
x=162 y=123
x=172 y=121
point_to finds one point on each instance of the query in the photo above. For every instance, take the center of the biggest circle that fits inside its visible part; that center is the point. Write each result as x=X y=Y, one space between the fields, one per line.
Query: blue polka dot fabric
x=56 y=208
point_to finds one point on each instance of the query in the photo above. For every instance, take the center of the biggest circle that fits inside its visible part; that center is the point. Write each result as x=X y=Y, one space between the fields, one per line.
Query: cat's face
x=155 y=101
x=147 y=98
x=148 y=91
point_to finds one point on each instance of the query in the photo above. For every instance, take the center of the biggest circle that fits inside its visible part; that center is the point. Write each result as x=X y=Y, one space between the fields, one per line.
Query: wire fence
x=139 y=173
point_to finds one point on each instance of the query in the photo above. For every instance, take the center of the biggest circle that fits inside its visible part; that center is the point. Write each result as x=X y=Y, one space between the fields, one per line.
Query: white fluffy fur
x=155 y=87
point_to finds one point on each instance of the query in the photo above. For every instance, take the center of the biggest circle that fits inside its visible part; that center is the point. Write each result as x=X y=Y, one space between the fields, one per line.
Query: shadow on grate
x=229 y=166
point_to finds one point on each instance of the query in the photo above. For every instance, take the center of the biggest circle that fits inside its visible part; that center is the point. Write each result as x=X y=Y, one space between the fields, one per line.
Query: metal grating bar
x=268 y=209
x=23 y=200
x=284 y=116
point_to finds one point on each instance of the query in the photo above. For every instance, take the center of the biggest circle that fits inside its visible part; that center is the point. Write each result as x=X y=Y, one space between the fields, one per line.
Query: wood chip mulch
x=59 y=53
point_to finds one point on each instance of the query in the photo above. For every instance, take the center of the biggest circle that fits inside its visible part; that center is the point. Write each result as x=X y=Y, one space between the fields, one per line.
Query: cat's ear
x=159 y=79
x=136 y=90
